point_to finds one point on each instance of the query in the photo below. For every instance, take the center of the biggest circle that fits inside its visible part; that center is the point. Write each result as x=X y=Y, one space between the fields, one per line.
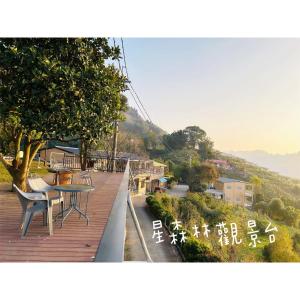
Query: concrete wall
x=235 y=192
x=219 y=186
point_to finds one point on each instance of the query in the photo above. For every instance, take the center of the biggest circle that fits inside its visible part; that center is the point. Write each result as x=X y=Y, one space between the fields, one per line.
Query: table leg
x=74 y=205
x=50 y=224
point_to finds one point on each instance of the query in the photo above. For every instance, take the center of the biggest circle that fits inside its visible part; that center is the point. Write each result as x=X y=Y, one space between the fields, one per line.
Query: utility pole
x=115 y=141
x=190 y=160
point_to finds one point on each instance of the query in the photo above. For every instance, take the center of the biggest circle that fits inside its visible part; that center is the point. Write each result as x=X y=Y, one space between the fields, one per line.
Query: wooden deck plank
x=74 y=242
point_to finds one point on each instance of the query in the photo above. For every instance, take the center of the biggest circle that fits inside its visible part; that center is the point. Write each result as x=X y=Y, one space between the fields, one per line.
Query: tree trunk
x=19 y=179
x=83 y=154
x=19 y=169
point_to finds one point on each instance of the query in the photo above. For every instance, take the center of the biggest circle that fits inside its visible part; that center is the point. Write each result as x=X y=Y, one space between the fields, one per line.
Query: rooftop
x=218 y=161
x=227 y=180
x=158 y=164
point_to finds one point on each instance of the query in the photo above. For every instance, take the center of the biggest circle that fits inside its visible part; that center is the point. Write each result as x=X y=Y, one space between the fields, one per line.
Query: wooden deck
x=74 y=242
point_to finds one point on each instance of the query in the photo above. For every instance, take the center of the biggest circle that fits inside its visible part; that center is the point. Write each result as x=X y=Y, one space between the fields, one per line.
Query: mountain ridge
x=285 y=164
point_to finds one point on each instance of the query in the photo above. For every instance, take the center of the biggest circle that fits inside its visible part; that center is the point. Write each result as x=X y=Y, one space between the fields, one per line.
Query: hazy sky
x=245 y=93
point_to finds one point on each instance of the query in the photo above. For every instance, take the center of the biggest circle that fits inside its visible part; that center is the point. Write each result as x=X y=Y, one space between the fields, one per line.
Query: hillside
x=285 y=164
x=137 y=135
x=135 y=125
x=274 y=185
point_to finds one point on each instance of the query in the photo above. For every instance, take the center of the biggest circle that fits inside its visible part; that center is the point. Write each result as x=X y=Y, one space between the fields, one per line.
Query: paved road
x=162 y=252
x=178 y=190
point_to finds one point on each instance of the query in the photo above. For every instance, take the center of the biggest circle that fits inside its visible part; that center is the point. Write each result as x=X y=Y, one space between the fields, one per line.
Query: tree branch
x=34 y=151
x=5 y=163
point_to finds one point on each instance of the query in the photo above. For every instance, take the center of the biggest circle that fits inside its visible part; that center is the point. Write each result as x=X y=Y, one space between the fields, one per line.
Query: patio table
x=73 y=189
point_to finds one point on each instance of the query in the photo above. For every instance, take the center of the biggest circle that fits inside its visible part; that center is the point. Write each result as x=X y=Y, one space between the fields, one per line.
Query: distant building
x=148 y=175
x=232 y=190
x=58 y=153
x=219 y=163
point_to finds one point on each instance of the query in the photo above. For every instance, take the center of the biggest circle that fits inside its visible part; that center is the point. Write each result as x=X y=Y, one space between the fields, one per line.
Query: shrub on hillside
x=195 y=251
x=282 y=249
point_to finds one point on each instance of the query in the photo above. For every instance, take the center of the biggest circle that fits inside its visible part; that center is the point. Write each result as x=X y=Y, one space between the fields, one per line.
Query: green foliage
x=57 y=83
x=192 y=249
x=192 y=137
x=291 y=216
x=4 y=174
x=176 y=140
x=261 y=207
x=182 y=157
x=183 y=149
x=139 y=136
x=158 y=210
x=198 y=177
x=267 y=187
x=256 y=181
x=55 y=89
x=273 y=185
x=276 y=208
x=195 y=251
x=281 y=250
x=6 y=177
x=197 y=209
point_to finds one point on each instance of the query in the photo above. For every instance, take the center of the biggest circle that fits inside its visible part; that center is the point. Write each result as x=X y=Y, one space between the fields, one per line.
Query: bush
x=171 y=181
x=195 y=251
x=192 y=249
x=291 y=216
x=282 y=249
x=276 y=208
x=261 y=207
x=158 y=211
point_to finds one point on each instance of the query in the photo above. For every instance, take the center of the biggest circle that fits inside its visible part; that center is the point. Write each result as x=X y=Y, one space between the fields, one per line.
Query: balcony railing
x=100 y=164
x=137 y=169
x=112 y=244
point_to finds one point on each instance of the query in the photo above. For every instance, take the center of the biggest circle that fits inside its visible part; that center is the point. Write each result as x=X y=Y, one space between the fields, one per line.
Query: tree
x=100 y=111
x=276 y=208
x=282 y=249
x=51 y=88
x=176 y=140
x=257 y=183
x=200 y=176
x=193 y=138
x=291 y=216
x=198 y=139
x=261 y=206
x=6 y=134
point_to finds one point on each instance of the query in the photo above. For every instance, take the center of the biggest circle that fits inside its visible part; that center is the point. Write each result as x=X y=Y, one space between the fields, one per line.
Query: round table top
x=73 y=188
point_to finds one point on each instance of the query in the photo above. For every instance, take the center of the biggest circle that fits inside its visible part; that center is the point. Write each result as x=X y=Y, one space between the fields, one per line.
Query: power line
x=137 y=105
x=139 y=100
x=121 y=70
x=130 y=85
x=132 y=90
